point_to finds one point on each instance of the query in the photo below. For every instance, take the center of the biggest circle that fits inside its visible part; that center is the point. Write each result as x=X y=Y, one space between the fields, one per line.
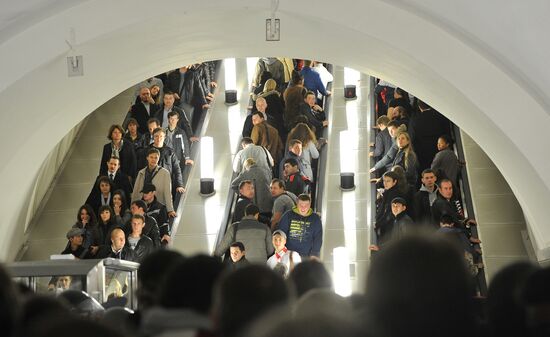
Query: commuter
x=445 y=162
x=283 y=201
x=425 y=197
x=184 y=302
x=261 y=156
x=100 y=194
x=383 y=141
x=419 y=287
x=168 y=160
x=536 y=298
x=324 y=74
x=447 y=204
x=384 y=93
x=151 y=274
x=151 y=228
x=260 y=179
x=384 y=215
x=282 y=255
x=402 y=223
x=178 y=141
x=152 y=124
x=246 y=197
x=245 y=295
x=132 y=135
x=157 y=211
x=424 y=130
x=9 y=303
x=238 y=258
x=506 y=312
x=120 y=149
x=309 y=275
x=264 y=134
x=255 y=236
x=288 y=67
x=121 y=209
x=150 y=83
x=167 y=107
x=316 y=117
x=106 y=224
x=87 y=221
x=143 y=109
x=140 y=243
x=400 y=99
x=158 y=176
x=303 y=228
x=295 y=182
x=275 y=107
x=406 y=158
x=273 y=66
x=310 y=146
x=295 y=152
x=459 y=236
x=119 y=180
x=312 y=79
x=155 y=93
x=386 y=162
x=117 y=248
x=295 y=87
x=75 y=244
x=181 y=83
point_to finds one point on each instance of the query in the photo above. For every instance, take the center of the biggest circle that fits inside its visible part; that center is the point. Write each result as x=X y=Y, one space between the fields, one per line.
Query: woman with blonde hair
x=275 y=108
x=303 y=133
x=406 y=157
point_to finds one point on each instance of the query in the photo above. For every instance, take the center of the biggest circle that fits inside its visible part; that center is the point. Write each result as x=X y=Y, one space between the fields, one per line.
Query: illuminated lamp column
x=207 y=167
x=347 y=161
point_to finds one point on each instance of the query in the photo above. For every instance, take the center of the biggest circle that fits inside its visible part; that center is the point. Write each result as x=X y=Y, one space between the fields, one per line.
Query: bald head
x=118 y=239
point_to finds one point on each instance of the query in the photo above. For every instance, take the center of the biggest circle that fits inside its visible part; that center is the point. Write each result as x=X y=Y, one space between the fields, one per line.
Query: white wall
x=479 y=63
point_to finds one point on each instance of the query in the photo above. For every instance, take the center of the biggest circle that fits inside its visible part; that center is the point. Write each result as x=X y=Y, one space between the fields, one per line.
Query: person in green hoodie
x=303 y=228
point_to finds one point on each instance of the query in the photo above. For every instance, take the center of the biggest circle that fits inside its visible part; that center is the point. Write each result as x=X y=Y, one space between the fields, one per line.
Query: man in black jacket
x=445 y=204
x=151 y=228
x=178 y=140
x=157 y=210
x=141 y=244
x=118 y=248
x=245 y=198
x=119 y=181
x=425 y=197
x=168 y=106
x=143 y=109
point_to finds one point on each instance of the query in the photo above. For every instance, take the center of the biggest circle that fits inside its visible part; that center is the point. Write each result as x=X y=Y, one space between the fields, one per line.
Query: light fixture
x=207 y=167
x=347 y=161
x=230 y=81
x=351 y=79
x=341 y=275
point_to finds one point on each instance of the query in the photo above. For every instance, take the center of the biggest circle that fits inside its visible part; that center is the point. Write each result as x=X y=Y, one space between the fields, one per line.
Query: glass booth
x=105 y=280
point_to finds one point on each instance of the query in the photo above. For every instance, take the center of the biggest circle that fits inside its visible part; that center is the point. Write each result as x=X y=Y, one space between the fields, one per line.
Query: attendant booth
x=109 y=281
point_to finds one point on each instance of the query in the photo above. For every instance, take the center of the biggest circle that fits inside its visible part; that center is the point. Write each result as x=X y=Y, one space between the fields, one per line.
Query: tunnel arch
x=126 y=41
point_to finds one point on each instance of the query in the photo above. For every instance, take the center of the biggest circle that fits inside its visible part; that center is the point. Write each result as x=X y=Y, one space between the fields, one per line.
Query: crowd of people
x=417 y=175
x=417 y=286
x=128 y=212
x=273 y=220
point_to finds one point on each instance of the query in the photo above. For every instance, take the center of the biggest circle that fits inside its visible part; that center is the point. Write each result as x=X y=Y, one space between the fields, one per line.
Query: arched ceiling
x=441 y=51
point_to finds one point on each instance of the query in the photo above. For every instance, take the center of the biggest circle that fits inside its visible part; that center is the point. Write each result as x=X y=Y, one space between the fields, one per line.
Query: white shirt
x=284 y=258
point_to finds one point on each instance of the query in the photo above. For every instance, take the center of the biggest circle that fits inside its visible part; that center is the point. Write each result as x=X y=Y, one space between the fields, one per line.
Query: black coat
x=139 y=112
x=104 y=231
x=127 y=156
x=143 y=248
x=158 y=211
x=126 y=253
x=384 y=216
x=151 y=229
x=241 y=204
x=424 y=129
x=183 y=120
